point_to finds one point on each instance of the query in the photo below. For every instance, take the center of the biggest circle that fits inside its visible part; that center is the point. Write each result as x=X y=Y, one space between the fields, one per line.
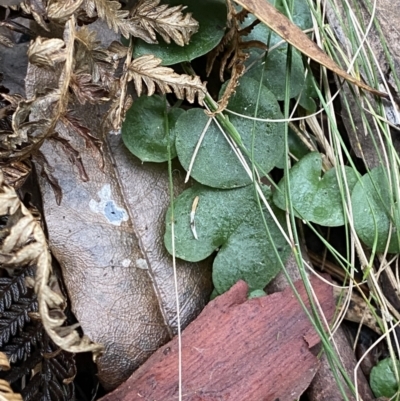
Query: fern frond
x=15 y=318
x=232 y=49
x=116 y=19
x=167 y=21
x=148 y=69
x=21 y=346
x=11 y=289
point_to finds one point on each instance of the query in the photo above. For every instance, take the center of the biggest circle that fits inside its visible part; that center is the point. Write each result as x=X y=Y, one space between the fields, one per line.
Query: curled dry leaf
x=87 y=91
x=60 y=11
x=16 y=173
x=167 y=21
x=6 y=41
x=116 y=19
x=24 y=243
x=38 y=10
x=46 y=52
x=6 y=392
x=149 y=70
x=4 y=362
x=92 y=58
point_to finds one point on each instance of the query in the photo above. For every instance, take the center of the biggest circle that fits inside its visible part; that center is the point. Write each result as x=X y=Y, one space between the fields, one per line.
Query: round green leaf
x=143 y=131
x=274 y=77
x=308 y=95
x=216 y=164
x=228 y=221
x=371 y=200
x=383 y=379
x=211 y=16
x=315 y=198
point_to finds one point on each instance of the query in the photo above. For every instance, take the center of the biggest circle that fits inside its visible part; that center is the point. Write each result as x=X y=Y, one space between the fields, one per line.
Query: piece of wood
x=237 y=349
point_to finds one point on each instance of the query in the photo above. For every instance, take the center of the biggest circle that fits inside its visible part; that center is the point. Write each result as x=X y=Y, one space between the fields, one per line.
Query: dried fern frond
x=38 y=366
x=232 y=49
x=16 y=173
x=37 y=8
x=148 y=69
x=116 y=19
x=6 y=392
x=61 y=10
x=24 y=243
x=93 y=59
x=5 y=41
x=145 y=20
x=46 y=52
x=4 y=362
x=76 y=68
x=167 y=21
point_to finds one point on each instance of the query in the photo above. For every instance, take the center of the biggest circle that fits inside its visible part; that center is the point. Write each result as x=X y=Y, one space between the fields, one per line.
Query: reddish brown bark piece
x=237 y=349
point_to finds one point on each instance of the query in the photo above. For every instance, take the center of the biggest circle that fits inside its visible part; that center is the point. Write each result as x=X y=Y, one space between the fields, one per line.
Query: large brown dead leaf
x=292 y=34
x=237 y=349
x=107 y=234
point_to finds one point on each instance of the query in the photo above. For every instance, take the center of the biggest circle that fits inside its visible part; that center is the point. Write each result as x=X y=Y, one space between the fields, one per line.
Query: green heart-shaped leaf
x=143 y=130
x=228 y=220
x=274 y=77
x=371 y=201
x=383 y=378
x=315 y=198
x=211 y=16
x=216 y=164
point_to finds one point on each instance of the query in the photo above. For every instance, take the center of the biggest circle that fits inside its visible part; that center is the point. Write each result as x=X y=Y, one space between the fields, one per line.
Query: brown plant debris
x=232 y=48
x=6 y=392
x=39 y=369
x=169 y=22
x=81 y=70
x=237 y=349
x=23 y=243
x=148 y=69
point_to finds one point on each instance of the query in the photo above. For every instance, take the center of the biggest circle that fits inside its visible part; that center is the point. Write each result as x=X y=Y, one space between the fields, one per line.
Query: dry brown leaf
x=46 y=52
x=4 y=362
x=92 y=58
x=292 y=34
x=148 y=69
x=6 y=41
x=16 y=173
x=115 y=18
x=61 y=10
x=87 y=91
x=26 y=135
x=38 y=10
x=167 y=21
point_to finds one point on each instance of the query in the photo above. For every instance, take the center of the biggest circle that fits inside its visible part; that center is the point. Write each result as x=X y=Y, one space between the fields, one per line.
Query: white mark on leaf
x=107 y=207
x=141 y=264
x=126 y=262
